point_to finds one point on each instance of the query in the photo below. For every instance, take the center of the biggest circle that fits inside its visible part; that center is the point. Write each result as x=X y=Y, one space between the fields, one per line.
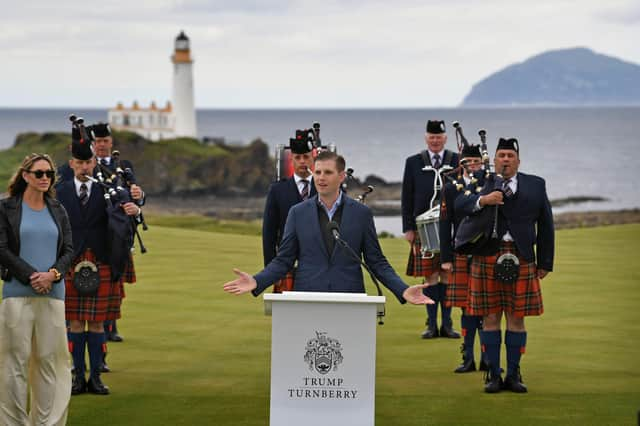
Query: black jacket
x=449 y=220
x=527 y=216
x=281 y=197
x=90 y=223
x=417 y=187
x=10 y=216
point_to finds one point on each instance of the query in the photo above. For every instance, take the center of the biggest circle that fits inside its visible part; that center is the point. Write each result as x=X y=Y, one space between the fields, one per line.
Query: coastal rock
x=181 y=166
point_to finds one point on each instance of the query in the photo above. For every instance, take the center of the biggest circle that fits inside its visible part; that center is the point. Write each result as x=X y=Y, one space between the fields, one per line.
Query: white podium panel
x=323 y=354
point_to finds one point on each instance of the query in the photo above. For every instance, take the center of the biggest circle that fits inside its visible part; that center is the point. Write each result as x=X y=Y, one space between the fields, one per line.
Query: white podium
x=323 y=358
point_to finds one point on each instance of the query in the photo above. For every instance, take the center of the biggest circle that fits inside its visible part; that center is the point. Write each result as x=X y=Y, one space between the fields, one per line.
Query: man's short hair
x=330 y=155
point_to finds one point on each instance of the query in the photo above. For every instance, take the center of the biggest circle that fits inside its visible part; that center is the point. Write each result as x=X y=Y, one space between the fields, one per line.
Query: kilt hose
x=457 y=283
x=285 y=284
x=419 y=267
x=488 y=296
x=102 y=306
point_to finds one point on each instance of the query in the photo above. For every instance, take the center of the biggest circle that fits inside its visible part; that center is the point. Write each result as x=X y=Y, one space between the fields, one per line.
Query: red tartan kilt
x=488 y=296
x=104 y=305
x=285 y=284
x=129 y=275
x=419 y=267
x=458 y=283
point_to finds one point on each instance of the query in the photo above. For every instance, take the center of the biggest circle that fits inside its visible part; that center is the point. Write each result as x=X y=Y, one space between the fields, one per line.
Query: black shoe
x=115 y=337
x=78 y=385
x=514 y=384
x=483 y=365
x=95 y=386
x=467 y=366
x=492 y=384
x=429 y=333
x=104 y=368
x=448 y=331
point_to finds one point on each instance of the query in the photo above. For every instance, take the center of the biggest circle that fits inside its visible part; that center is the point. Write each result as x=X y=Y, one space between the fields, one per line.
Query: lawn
x=194 y=355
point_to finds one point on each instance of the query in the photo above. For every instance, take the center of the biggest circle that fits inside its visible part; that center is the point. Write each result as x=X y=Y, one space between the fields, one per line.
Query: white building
x=174 y=120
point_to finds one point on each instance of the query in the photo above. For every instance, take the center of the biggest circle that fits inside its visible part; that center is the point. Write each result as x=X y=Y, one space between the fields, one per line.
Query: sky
x=290 y=53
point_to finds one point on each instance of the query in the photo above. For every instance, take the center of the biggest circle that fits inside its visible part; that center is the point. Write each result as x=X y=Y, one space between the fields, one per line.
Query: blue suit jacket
x=88 y=224
x=281 y=197
x=528 y=218
x=417 y=188
x=317 y=271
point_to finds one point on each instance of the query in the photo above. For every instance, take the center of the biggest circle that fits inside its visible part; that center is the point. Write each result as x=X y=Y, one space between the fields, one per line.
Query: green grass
x=194 y=355
x=208 y=224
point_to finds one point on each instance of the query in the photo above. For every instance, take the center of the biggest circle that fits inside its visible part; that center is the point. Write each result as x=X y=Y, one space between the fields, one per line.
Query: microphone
x=334 y=228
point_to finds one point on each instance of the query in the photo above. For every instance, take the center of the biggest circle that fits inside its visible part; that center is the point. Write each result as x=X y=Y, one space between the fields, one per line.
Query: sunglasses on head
x=40 y=173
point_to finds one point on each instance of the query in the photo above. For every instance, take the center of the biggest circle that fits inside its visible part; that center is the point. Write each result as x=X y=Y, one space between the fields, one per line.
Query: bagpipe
x=116 y=185
x=362 y=198
x=284 y=167
x=478 y=232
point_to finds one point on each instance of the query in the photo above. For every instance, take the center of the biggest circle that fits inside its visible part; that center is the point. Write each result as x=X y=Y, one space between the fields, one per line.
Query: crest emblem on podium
x=323 y=353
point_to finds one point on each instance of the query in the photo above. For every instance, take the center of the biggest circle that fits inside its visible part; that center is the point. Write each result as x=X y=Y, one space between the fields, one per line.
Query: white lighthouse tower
x=183 y=105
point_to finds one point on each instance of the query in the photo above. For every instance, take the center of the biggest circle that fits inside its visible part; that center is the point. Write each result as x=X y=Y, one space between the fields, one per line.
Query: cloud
x=627 y=13
x=351 y=52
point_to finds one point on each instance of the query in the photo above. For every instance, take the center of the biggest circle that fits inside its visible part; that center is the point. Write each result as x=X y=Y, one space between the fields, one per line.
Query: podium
x=323 y=358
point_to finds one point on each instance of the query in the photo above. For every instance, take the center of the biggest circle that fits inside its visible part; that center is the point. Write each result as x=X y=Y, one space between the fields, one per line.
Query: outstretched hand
x=243 y=284
x=415 y=296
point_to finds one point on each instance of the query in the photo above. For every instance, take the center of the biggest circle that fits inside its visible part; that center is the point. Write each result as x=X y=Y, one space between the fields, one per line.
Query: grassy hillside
x=194 y=355
x=170 y=166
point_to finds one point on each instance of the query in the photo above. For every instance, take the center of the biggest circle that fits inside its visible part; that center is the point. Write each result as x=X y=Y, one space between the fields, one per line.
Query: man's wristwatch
x=58 y=275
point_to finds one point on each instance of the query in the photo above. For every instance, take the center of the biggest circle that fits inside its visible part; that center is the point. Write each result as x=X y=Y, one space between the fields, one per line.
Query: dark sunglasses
x=39 y=173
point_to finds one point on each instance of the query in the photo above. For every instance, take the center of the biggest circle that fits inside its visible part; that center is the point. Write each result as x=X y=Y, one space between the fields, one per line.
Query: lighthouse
x=183 y=106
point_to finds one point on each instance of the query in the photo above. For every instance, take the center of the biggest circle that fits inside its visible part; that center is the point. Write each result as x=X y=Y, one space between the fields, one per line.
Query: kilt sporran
x=86 y=278
x=507 y=268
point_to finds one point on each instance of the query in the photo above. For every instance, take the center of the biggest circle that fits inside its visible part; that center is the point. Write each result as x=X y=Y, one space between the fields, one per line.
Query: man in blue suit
x=282 y=196
x=322 y=264
x=507 y=278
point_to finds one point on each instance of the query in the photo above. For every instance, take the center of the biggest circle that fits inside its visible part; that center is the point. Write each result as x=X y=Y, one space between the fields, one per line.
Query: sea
x=580 y=151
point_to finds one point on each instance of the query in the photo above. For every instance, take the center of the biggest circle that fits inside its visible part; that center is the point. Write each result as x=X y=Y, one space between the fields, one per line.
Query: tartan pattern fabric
x=305 y=189
x=458 y=283
x=84 y=194
x=419 y=267
x=488 y=296
x=285 y=284
x=129 y=275
x=104 y=305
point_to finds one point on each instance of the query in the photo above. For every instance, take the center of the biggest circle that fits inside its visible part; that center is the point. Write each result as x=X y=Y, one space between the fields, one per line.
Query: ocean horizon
x=580 y=152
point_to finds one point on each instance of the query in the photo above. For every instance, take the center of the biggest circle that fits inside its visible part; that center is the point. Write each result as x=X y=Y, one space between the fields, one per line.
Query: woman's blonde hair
x=17 y=184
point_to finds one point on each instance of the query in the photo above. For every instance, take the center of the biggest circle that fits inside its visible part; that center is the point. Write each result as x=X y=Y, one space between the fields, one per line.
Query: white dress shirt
x=77 y=183
x=299 y=183
x=432 y=154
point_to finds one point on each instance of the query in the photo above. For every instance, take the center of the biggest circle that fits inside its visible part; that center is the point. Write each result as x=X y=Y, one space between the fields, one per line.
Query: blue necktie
x=436 y=161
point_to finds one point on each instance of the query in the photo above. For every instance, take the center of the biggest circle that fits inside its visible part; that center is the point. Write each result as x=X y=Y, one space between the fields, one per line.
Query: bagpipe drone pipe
x=122 y=228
